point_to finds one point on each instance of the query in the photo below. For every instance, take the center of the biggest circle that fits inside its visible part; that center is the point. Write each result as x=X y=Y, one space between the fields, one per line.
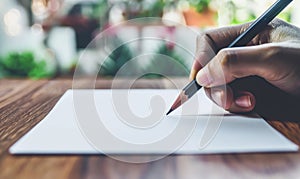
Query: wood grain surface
x=23 y=103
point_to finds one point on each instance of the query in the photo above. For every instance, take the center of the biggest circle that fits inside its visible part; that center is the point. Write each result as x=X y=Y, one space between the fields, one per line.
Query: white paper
x=199 y=127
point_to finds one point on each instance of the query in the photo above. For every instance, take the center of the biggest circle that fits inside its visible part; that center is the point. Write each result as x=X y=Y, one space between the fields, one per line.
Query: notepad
x=134 y=122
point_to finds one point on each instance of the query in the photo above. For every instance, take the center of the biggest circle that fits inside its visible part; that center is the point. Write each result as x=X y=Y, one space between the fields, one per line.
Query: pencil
x=257 y=26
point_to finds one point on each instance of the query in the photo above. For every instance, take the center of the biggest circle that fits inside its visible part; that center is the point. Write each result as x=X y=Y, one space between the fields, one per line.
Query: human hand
x=274 y=55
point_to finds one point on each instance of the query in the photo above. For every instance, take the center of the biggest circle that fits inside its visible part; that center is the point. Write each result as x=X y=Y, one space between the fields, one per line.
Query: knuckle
x=273 y=52
x=227 y=59
x=276 y=23
x=202 y=36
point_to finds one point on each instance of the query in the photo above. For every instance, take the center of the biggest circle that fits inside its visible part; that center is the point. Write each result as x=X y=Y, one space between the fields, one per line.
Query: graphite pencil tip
x=169 y=111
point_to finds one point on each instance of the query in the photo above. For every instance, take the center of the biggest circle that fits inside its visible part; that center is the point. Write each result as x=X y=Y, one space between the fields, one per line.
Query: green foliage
x=156 y=10
x=100 y=9
x=23 y=64
x=144 y=8
x=285 y=15
x=116 y=59
x=249 y=13
x=200 y=5
x=171 y=65
x=235 y=20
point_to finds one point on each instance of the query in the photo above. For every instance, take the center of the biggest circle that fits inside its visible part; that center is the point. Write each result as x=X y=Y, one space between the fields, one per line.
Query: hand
x=274 y=55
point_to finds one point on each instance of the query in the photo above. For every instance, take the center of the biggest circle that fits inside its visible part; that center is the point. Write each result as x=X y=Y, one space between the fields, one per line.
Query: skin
x=274 y=55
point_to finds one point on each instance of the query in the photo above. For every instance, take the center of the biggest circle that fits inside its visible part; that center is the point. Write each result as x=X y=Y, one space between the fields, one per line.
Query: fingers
x=194 y=70
x=204 y=53
x=211 y=42
x=233 y=63
x=244 y=102
x=283 y=31
x=223 y=97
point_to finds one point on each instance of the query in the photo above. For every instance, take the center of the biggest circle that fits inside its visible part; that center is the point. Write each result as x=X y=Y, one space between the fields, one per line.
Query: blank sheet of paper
x=134 y=122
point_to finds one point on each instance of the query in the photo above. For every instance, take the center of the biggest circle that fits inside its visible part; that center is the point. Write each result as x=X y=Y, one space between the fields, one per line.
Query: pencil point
x=169 y=111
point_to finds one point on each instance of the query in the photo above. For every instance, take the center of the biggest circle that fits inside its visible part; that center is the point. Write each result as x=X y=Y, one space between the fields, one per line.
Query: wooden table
x=23 y=103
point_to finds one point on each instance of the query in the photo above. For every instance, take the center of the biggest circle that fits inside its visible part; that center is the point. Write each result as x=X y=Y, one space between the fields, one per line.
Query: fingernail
x=243 y=101
x=217 y=97
x=203 y=79
x=192 y=74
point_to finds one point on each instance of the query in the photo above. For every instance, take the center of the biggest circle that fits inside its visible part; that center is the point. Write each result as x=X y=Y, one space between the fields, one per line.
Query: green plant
x=156 y=10
x=99 y=9
x=142 y=8
x=116 y=59
x=23 y=64
x=233 y=9
x=200 y=5
x=172 y=64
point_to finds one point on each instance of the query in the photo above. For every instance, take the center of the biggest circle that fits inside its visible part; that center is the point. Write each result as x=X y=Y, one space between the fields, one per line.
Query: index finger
x=210 y=42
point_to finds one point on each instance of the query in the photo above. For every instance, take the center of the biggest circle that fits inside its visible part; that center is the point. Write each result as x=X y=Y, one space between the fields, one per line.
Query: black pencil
x=257 y=26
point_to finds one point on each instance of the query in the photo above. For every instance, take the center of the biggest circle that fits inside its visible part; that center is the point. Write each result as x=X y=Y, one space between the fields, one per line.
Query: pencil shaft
x=191 y=88
x=243 y=39
x=260 y=23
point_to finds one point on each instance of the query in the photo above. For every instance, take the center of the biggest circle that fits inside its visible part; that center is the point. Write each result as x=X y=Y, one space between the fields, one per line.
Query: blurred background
x=46 y=38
